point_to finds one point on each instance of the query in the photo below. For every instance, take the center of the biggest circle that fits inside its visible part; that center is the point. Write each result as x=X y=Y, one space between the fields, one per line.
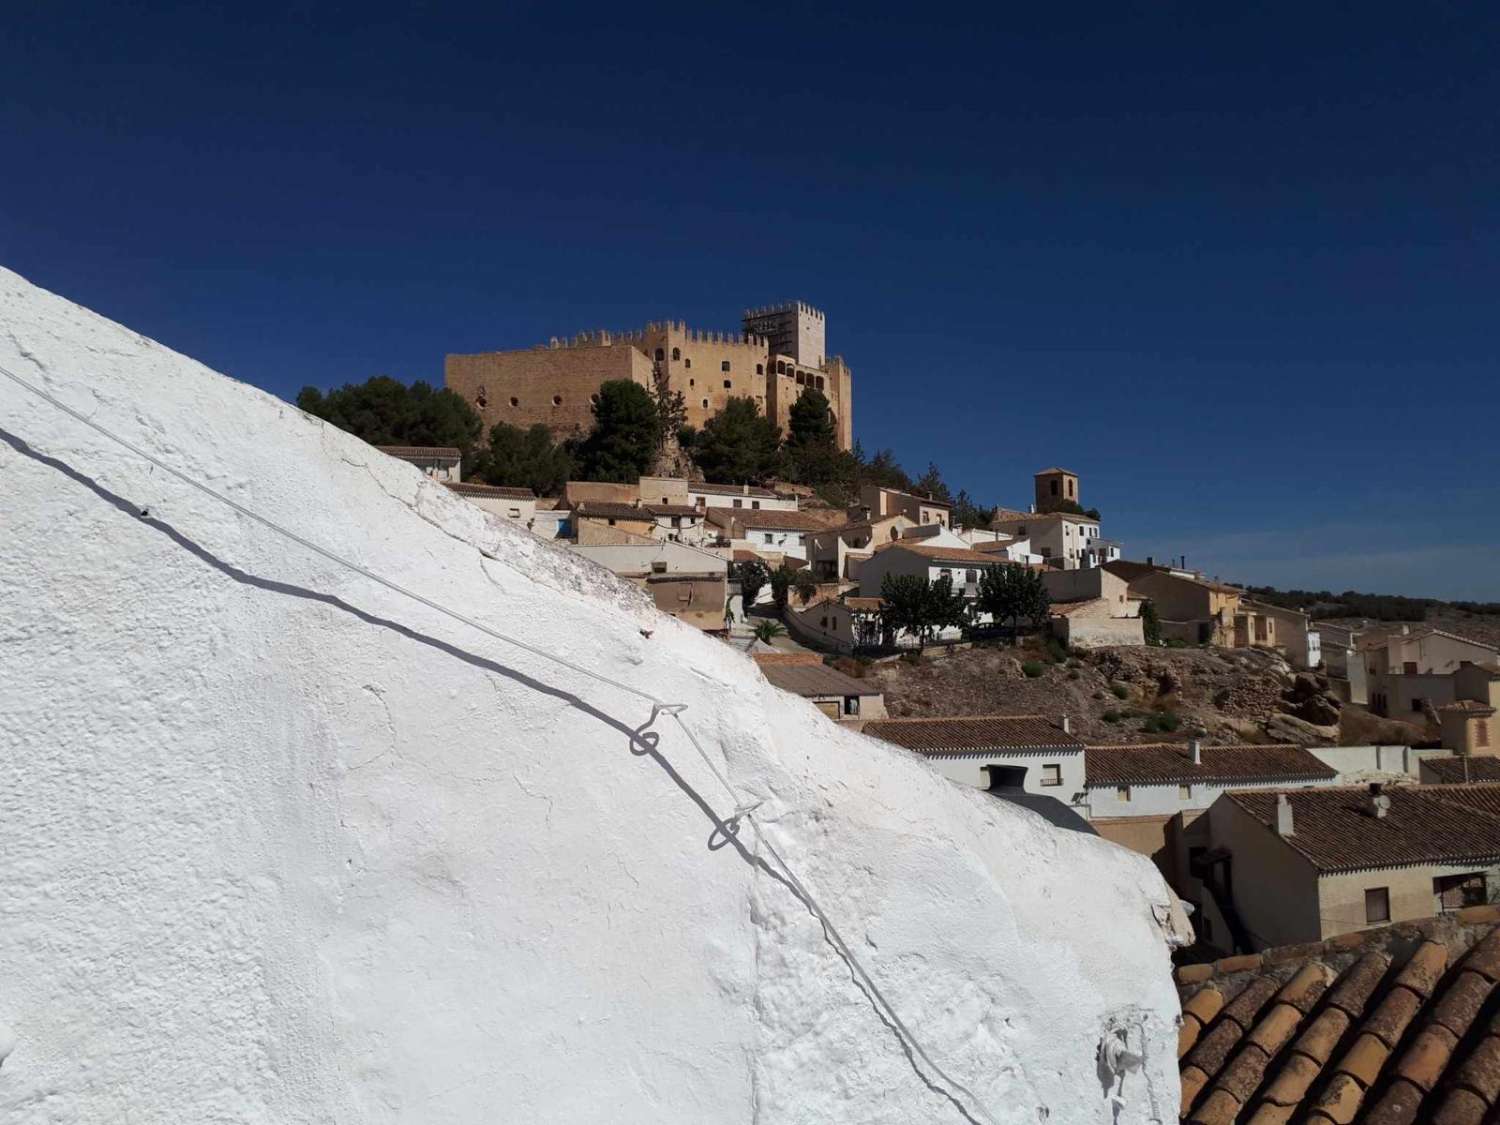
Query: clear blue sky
x=1235 y=264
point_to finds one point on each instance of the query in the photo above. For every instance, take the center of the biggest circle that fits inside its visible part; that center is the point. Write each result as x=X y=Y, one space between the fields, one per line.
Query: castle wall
x=554 y=386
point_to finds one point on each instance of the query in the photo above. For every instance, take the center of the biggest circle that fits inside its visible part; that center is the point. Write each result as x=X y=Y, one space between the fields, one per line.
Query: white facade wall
x=752 y=503
x=1164 y=800
x=968 y=769
x=641 y=558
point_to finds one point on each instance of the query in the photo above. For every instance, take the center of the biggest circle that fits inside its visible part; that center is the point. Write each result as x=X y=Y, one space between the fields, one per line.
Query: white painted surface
x=268 y=861
x=968 y=769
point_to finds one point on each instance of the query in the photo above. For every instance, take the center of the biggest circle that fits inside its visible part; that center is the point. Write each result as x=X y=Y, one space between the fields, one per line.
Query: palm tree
x=767 y=631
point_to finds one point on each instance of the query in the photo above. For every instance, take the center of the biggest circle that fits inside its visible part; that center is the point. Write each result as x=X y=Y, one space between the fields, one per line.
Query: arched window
x=557 y=400
x=660 y=355
x=514 y=401
x=594 y=398
x=687 y=362
x=760 y=368
x=820 y=382
x=676 y=353
x=692 y=382
x=780 y=368
x=724 y=366
x=705 y=404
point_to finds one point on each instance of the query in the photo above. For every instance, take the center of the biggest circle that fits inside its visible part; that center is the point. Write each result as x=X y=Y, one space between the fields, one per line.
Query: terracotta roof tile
x=471 y=488
x=1457 y=770
x=1166 y=762
x=1351 y=1034
x=1336 y=829
x=422 y=452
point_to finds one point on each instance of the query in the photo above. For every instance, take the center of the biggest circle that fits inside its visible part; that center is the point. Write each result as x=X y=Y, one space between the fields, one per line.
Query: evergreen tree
x=752 y=577
x=385 y=411
x=932 y=482
x=739 y=445
x=812 y=454
x=527 y=459
x=627 y=426
x=1012 y=592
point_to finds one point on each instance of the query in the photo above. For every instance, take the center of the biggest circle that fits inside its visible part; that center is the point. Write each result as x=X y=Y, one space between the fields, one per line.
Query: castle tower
x=794 y=329
x=1054 y=488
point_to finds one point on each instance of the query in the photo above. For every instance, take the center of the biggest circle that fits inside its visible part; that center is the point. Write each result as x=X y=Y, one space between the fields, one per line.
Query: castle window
x=780 y=367
x=799 y=378
x=687 y=363
x=1070 y=488
x=724 y=366
x=481 y=398
x=705 y=404
x=660 y=355
x=676 y=353
x=692 y=382
x=594 y=398
x=557 y=400
x=1053 y=483
x=820 y=382
x=760 y=368
x=728 y=383
x=514 y=401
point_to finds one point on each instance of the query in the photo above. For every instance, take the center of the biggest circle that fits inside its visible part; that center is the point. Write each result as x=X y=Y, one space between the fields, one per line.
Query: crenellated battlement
x=604 y=338
x=785 y=307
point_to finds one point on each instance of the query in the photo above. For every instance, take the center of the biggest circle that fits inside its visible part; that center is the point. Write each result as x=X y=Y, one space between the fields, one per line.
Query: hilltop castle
x=779 y=352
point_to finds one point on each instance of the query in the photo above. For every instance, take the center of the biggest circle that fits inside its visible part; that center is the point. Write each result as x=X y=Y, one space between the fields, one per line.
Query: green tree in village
x=932 y=482
x=752 y=576
x=627 y=426
x=738 y=445
x=781 y=580
x=1012 y=593
x=1150 y=624
x=812 y=454
x=526 y=459
x=768 y=631
x=914 y=605
x=966 y=513
x=386 y=411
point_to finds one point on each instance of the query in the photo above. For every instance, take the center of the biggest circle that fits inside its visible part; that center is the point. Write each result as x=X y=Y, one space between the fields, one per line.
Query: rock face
x=283 y=845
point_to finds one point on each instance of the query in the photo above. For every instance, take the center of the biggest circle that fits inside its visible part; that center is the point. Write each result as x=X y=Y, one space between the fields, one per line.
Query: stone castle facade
x=779 y=352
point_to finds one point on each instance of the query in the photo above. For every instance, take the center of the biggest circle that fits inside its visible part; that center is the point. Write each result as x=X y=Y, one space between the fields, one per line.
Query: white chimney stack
x=1380 y=804
x=1196 y=746
x=1283 y=815
x=1067 y=725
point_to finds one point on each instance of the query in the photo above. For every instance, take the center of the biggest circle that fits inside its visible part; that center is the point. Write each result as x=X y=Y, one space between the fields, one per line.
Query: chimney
x=1196 y=746
x=745 y=489
x=1067 y=725
x=1405 y=630
x=1380 y=804
x=1283 y=815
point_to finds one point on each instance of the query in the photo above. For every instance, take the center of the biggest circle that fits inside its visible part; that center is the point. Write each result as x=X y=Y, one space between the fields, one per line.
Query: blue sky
x=1237 y=266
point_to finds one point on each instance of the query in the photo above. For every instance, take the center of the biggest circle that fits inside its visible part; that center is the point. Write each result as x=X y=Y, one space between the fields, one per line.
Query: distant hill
x=1376 y=607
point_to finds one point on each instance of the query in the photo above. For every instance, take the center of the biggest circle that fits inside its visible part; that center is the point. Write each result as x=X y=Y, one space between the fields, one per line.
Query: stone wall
x=553 y=386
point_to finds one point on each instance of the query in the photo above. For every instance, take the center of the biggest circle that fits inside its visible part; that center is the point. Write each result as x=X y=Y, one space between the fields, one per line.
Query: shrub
x=1111 y=716
x=1161 y=722
x=1032 y=668
x=1175 y=642
x=1056 y=651
x=1073 y=675
x=1120 y=690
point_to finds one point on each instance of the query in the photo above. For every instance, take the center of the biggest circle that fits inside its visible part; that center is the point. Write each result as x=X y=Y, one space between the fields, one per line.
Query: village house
x=840 y=697
x=1148 y=796
x=440 y=462
x=1061 y=538
x=515 y=504
x=1468 y=727
x=961 y=749
x=877 y=503
x=1339 y=645
x=843 y=623
x=1006 y=548
x=735 y=496
x=785 y=533
x=1408 y=671
x=1092 y=608
x=1310 y=864
x=685 y=582
x=834 y=554
x=603 y=522
x=1189 y=607
x=961 y=565
x=1292 y=629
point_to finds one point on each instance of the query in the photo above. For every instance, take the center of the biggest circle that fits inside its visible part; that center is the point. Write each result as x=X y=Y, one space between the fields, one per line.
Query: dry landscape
x=1135 y=694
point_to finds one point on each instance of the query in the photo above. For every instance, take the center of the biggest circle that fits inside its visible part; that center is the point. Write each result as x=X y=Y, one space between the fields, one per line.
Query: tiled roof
x=1382 y=1027
x=1458 y=770
x=768 y=519
x=675 y=510
x=816 y=679
x=1337 y=830
x=1009 y=515
x=1067 y=609
x=1055 y=469
x=465 y=488
x=941 y=554
x=730 y=490
x=423 y=452
x=1468 y=706
x=1422 y=634
x=974 y=733
x=601 y=509
x=865 y=605
x=1164 y=762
